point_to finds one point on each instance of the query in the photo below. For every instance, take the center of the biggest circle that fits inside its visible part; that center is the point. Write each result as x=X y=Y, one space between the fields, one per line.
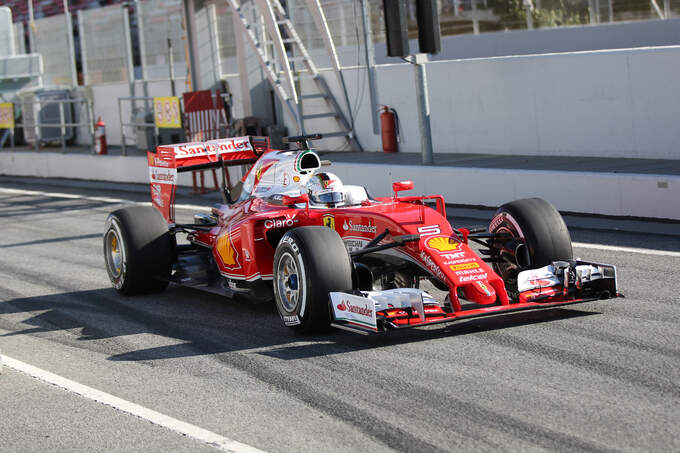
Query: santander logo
x=359 y=228
x=365 y=310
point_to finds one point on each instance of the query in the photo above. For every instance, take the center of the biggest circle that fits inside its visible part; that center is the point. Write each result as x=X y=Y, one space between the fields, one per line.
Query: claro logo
x=280 y=222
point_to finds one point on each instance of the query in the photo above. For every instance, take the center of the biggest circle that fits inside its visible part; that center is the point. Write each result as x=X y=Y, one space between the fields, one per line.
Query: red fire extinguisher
x=389 y=127
x=100 y=137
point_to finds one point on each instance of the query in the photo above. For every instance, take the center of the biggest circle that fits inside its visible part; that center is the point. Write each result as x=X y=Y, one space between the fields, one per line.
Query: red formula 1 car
x=330 y=254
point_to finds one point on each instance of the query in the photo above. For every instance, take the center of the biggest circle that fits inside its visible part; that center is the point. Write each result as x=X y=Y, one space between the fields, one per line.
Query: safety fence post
x=62 y=127
x=90 y=121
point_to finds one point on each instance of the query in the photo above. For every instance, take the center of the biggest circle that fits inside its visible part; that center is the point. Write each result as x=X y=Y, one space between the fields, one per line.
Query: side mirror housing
x=302 y=198
x=401 y=186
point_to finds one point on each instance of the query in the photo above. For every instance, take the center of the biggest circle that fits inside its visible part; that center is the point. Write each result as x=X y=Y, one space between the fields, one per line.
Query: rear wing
x=169 y=160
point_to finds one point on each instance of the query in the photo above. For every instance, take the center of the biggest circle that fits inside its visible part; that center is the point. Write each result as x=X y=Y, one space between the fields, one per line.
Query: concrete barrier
x=612 y=103
x=618 y=194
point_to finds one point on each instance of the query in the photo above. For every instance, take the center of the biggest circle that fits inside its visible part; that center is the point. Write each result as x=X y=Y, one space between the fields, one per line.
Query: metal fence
x=344 y=23
x=163 y=48
x=479 y=16
x=142 y=130
x=103 y=32
x=54 y=41
x=209 y=58
x=6 y=38
x=162 y=39
x=226 y=40
x=103 y=44
x=141 y=121
x=19 y=42
x=21 y=66
x=37 y=127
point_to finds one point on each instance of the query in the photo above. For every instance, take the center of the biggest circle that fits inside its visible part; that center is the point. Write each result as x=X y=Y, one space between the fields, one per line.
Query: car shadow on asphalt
x=343 y=342
x=48 y=205
x=201 y=324
x=52 y=240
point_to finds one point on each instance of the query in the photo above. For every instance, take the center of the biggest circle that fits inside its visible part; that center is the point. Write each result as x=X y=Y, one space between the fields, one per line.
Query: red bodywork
x=244 y=240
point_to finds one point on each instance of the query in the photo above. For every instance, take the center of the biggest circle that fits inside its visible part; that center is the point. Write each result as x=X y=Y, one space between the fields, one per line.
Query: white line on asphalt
x=88 y=198
x=625 y=249
x=203 y=208
x=186 y=429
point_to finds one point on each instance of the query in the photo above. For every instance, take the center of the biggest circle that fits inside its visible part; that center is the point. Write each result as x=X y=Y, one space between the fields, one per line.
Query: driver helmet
x=326 y=189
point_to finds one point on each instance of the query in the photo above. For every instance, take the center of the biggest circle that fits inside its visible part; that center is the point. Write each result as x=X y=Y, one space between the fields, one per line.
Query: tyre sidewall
x=296 y=318
x=539 y=224
x=327 y=267
x=121 y=282
x=147 y=247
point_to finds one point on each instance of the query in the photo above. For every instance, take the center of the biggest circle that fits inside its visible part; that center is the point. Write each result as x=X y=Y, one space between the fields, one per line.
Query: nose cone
x=480 y=291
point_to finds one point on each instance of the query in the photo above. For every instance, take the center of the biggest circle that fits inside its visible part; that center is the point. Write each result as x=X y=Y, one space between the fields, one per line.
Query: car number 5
x=428 y=230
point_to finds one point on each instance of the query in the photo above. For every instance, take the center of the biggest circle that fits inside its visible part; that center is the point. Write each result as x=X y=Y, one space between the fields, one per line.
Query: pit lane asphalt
x=603 y=376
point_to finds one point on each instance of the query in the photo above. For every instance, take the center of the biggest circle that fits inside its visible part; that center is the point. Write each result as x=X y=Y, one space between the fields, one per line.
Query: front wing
x=560 y=284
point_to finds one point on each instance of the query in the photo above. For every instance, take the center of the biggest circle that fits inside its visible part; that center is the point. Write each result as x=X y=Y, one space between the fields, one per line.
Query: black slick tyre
x=309 y=263
x=538 y=234
x=138 y=250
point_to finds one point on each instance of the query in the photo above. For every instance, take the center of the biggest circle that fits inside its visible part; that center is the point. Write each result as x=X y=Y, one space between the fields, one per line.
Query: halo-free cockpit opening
x=308 y=162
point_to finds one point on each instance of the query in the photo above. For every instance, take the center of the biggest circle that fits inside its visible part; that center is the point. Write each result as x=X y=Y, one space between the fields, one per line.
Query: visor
x=329 y=197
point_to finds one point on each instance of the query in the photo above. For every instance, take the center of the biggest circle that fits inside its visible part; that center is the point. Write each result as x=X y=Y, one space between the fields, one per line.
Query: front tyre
x=309 y=263
x=535 y=236
x=138 y=250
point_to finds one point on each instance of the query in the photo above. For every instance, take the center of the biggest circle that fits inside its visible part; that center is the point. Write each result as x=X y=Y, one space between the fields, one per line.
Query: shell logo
x=442 y=243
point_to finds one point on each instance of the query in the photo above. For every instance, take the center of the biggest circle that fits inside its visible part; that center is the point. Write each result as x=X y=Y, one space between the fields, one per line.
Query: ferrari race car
x=330 y=254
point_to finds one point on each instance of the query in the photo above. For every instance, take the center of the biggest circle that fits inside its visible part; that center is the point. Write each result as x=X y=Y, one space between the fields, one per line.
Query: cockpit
x=294 y=173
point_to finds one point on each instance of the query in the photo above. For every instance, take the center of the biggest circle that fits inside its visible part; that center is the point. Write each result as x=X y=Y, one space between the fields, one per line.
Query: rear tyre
x=138 y=250
x=538 y=234
x=309 y=263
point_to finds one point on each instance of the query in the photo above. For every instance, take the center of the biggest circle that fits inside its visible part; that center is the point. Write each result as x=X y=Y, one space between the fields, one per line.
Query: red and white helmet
x=326 y=189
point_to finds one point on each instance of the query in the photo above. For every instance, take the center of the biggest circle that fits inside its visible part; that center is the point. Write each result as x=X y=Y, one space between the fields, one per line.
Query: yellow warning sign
x=166 y=112
x=7 y=116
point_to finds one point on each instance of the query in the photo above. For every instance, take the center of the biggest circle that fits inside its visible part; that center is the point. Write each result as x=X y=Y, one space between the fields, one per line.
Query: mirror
x=288 y=200
x=401 y=186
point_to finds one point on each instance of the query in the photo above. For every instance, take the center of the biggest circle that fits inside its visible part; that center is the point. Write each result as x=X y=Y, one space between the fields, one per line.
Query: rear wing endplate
x=169 y=160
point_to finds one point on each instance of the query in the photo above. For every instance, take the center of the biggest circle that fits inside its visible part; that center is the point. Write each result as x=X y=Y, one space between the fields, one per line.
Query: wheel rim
x=288 y=282
x=114 y=254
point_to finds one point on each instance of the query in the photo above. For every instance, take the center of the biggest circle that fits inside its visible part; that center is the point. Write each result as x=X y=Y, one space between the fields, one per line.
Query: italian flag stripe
x=358 y=323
